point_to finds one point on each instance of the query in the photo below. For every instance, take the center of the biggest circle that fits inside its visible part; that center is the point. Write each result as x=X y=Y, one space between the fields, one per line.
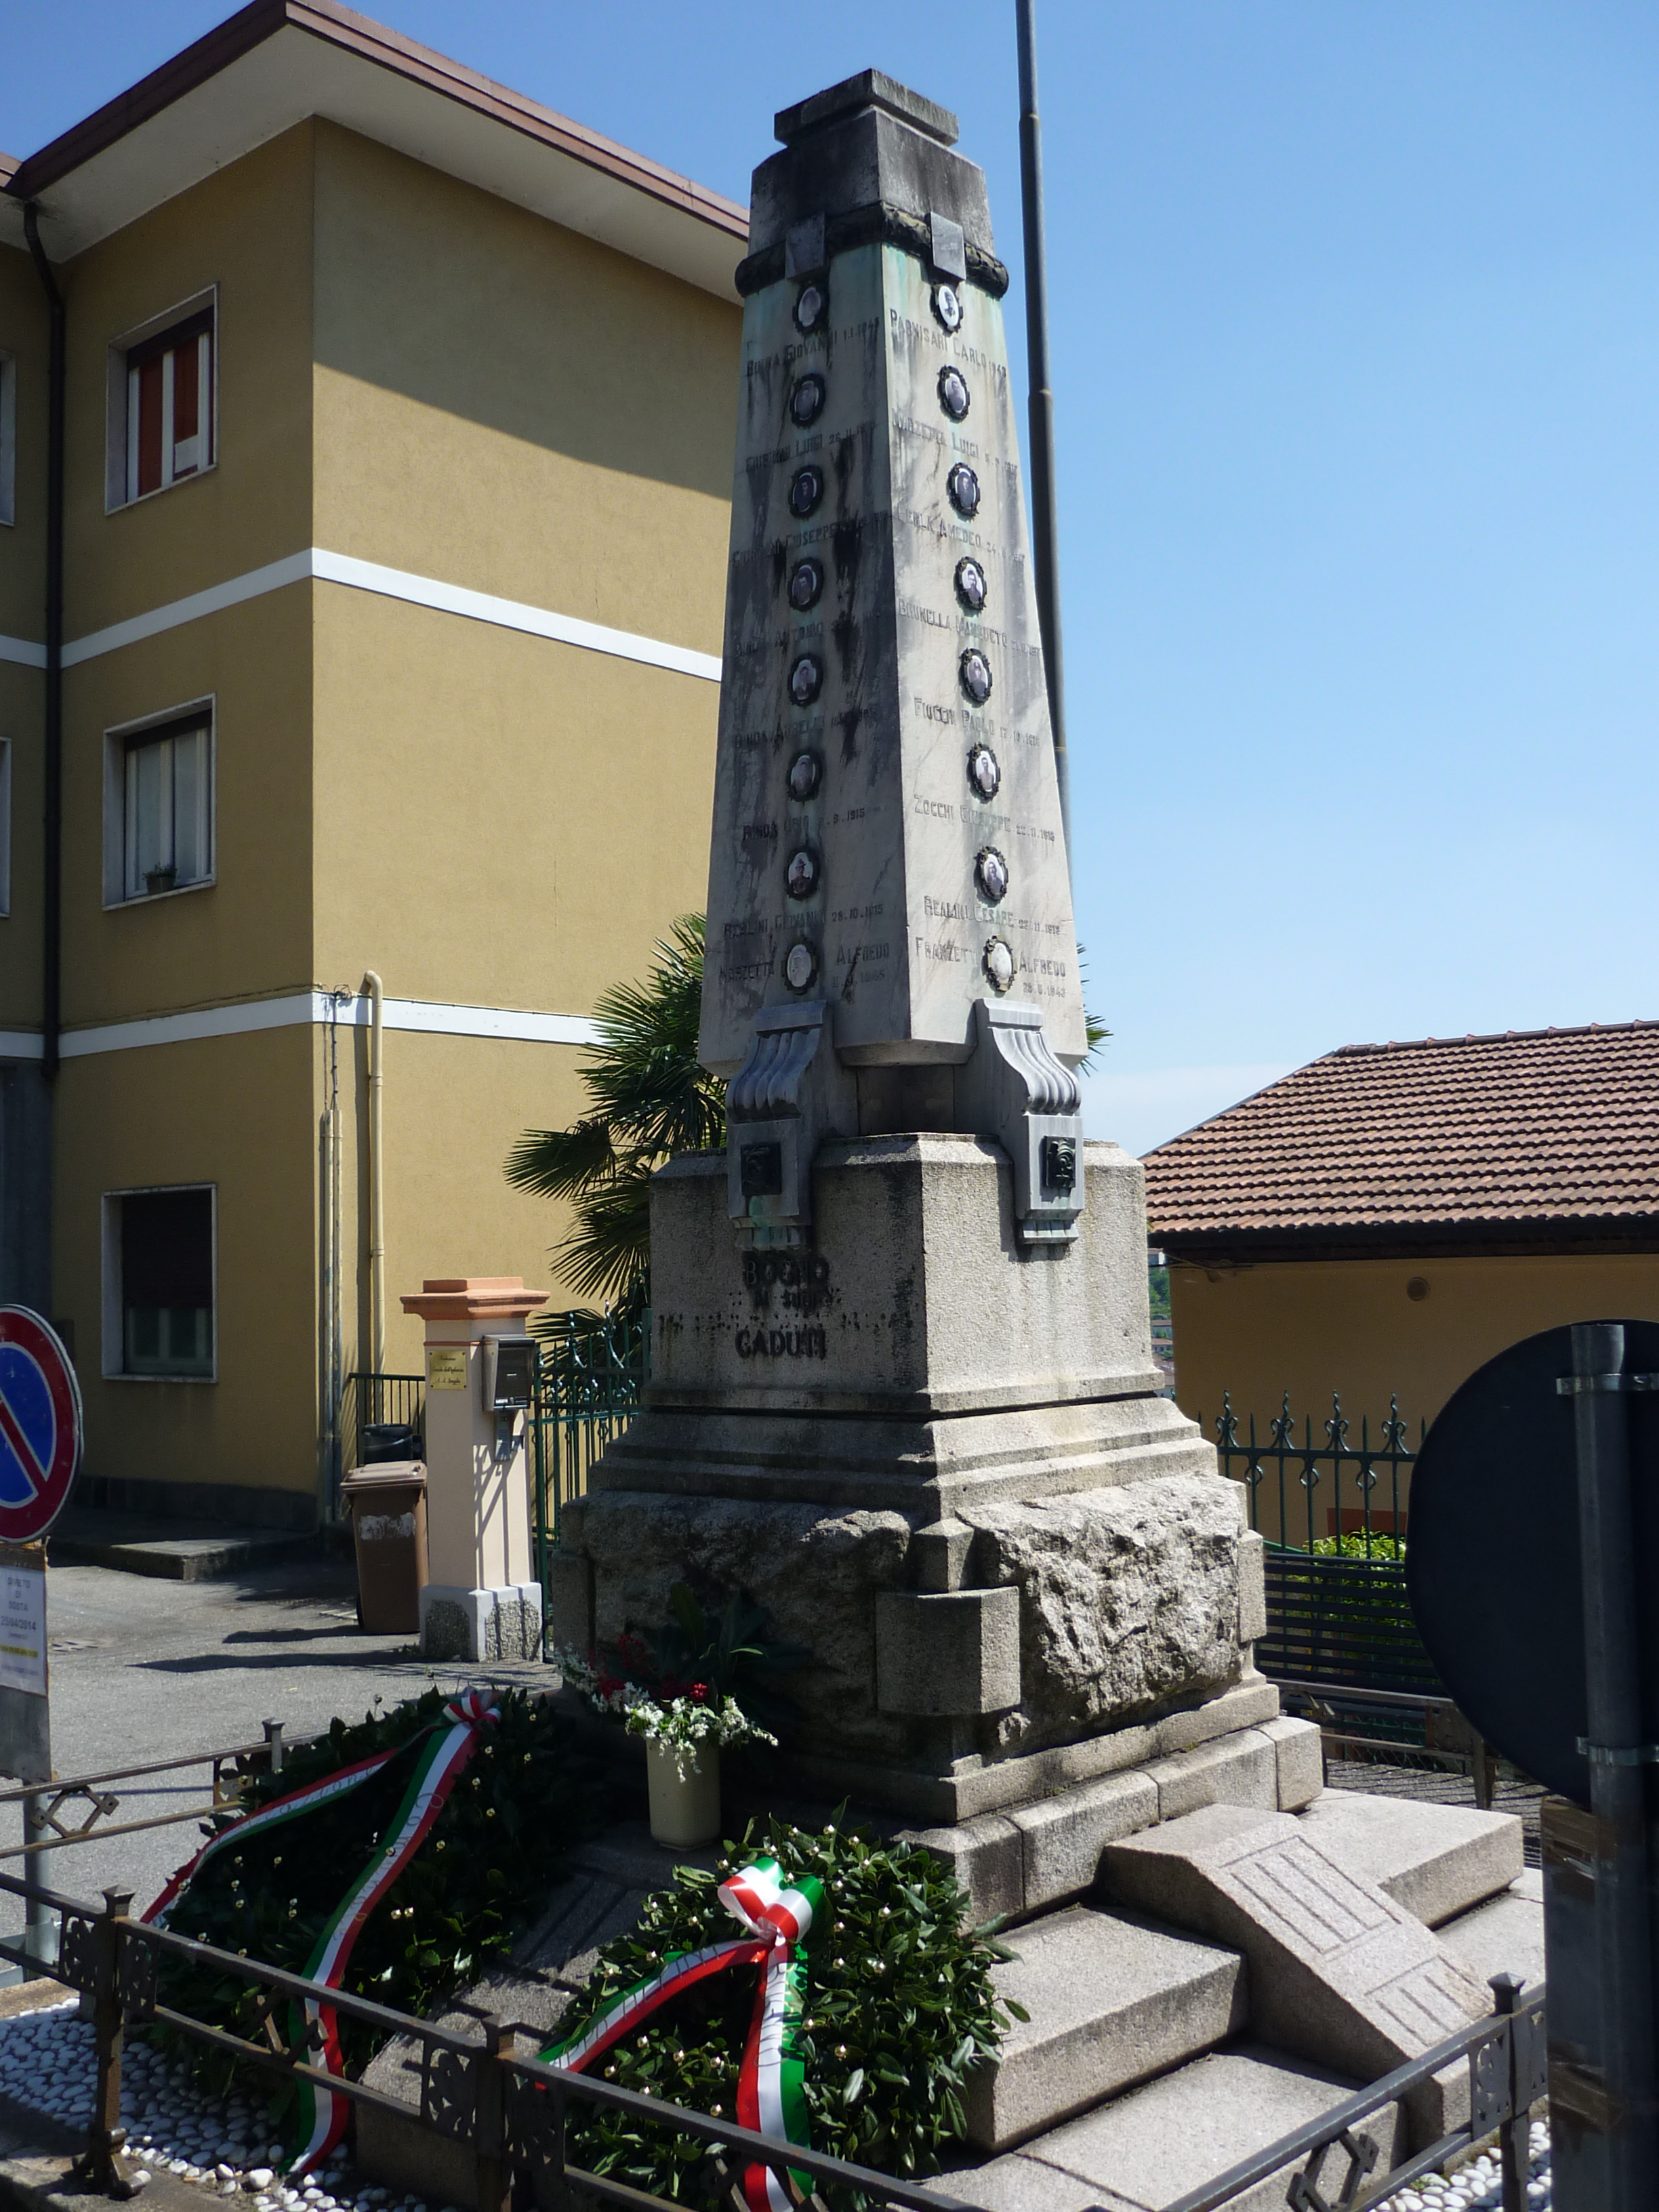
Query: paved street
x=145 y=1669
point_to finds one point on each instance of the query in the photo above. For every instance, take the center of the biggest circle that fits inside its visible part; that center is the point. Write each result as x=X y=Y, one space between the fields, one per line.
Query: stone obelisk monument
x=902 y=1391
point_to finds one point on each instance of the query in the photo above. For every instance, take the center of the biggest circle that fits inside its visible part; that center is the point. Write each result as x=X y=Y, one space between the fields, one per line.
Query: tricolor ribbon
x=771 y=2080
x=446 y=1747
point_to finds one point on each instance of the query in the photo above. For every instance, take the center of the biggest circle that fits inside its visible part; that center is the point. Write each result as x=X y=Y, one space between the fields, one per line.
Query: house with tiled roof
x=1383 y=1221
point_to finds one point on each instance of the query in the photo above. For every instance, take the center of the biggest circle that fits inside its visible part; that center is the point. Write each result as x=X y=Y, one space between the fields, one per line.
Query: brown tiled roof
x=1543 y=1125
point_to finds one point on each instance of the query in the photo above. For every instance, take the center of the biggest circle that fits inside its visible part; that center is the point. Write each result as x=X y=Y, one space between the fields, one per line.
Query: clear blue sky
x=1356 y=335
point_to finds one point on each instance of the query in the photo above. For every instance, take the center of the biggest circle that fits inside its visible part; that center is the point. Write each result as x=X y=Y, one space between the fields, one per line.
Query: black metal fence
x=1319 y=1493
x=1508 y=2075
x=369 y=1400
x=1335 y=1514
x=594 y=1366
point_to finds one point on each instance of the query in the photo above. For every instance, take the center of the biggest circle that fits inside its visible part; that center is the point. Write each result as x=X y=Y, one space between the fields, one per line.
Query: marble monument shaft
x=888 y=881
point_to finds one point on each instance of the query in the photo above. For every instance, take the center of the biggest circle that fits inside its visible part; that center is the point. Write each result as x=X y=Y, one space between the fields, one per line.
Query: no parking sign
x=40 y=1425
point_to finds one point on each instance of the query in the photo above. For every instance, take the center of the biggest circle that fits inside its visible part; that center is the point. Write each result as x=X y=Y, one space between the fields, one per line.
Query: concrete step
x=178 y=1551
x=1144 y=2150
x=1340 y=1974
x=1504 y=1935
x=1436 y=1860
x=1113 y=1998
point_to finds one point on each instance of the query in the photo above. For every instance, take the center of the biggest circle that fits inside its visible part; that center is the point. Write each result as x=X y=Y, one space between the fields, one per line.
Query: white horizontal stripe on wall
x=292 y=570
x=432 y=1017
x=511 y=613
x=388 y=583
x=23 y=650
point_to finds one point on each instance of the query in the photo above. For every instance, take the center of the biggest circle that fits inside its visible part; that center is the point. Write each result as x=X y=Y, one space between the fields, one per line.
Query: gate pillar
x=483 y=1600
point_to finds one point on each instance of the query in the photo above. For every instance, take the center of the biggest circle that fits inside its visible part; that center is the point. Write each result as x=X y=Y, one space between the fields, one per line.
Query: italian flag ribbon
x=445 y=1748
x=771 y=2080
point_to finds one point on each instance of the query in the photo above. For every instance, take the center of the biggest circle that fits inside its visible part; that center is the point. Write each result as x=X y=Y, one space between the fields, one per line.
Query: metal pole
x=39 y=1918
x=1624 y=1958
x=1514 y=2135
x=1045 y=532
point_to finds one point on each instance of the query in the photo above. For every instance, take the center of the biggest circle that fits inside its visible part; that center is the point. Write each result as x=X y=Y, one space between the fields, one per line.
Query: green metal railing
x=1337 y=1611
x=593 y=1369
x=1349 y=1474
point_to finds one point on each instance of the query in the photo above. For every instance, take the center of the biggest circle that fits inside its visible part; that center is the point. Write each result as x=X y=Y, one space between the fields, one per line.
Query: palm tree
x=649 y=1099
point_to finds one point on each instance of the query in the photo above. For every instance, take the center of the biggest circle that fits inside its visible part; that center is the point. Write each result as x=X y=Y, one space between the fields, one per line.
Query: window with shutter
x=169 y=401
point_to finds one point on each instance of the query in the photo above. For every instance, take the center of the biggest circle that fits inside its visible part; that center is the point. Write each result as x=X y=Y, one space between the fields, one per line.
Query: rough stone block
x=1301 y=1761
x=987 y=1857
x=941 y=1552
x=481 y=1624
x=1248 y=1704
x=1236 y=1770
x=1436 y=1860
x=948 y=1652
x=570 y=1601
x=1111 y=2001
x=1252 y=1587
x=1143 y=2150
x=1063 y=1836
x=1129 y=1598
x=1339 y=1972
x=1504 y=1935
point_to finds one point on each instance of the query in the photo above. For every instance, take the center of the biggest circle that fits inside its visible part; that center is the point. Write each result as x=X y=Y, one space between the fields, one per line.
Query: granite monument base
x=937 y=1457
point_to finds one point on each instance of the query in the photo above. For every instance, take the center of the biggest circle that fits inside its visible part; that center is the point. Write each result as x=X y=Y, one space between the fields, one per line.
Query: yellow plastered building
x=397 y=432
x=1380 y=1224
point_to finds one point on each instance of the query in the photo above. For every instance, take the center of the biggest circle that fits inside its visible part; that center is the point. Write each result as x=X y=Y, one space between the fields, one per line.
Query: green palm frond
x=1094 y=1030
x=649 y=1099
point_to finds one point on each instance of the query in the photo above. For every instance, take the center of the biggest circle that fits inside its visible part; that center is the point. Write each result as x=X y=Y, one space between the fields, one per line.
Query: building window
x=163 y=403
x=7 y=438
x=159 y=1284
x=5 y=826
x=158 y=807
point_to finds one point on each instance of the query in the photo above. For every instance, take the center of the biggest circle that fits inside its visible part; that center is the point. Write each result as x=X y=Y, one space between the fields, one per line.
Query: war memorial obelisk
x=902 y=1391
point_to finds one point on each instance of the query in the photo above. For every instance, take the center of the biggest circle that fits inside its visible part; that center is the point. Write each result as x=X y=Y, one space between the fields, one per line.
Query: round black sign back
x=1492 y=1558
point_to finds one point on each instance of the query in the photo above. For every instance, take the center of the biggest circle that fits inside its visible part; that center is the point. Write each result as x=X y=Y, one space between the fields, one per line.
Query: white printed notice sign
x=23 y=1629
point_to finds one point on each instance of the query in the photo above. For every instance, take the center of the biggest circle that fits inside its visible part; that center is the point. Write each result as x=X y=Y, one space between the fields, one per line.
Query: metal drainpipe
x=1045 y=522
x=52 y=932
x=376 y=991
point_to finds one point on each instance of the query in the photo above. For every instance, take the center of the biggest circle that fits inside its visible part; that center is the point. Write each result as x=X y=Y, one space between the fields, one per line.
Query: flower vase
x=685 y=1783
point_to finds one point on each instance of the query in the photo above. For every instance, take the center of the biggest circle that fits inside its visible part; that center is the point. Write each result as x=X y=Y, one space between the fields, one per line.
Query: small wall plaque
x=801 y=967
x=984 y=773
x=445 y=1367
x=806 y=586
x=806 y=400
x=975 y=671
x=953 y=395
x=806 y=679
x=961 y=485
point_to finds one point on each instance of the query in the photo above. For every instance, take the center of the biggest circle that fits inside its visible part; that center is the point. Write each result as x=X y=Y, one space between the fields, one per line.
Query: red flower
x=700 y=1691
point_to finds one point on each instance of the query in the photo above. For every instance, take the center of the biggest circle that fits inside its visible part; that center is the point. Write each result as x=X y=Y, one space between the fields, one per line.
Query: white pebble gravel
x=47 y=2062
x=1477 y=2185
